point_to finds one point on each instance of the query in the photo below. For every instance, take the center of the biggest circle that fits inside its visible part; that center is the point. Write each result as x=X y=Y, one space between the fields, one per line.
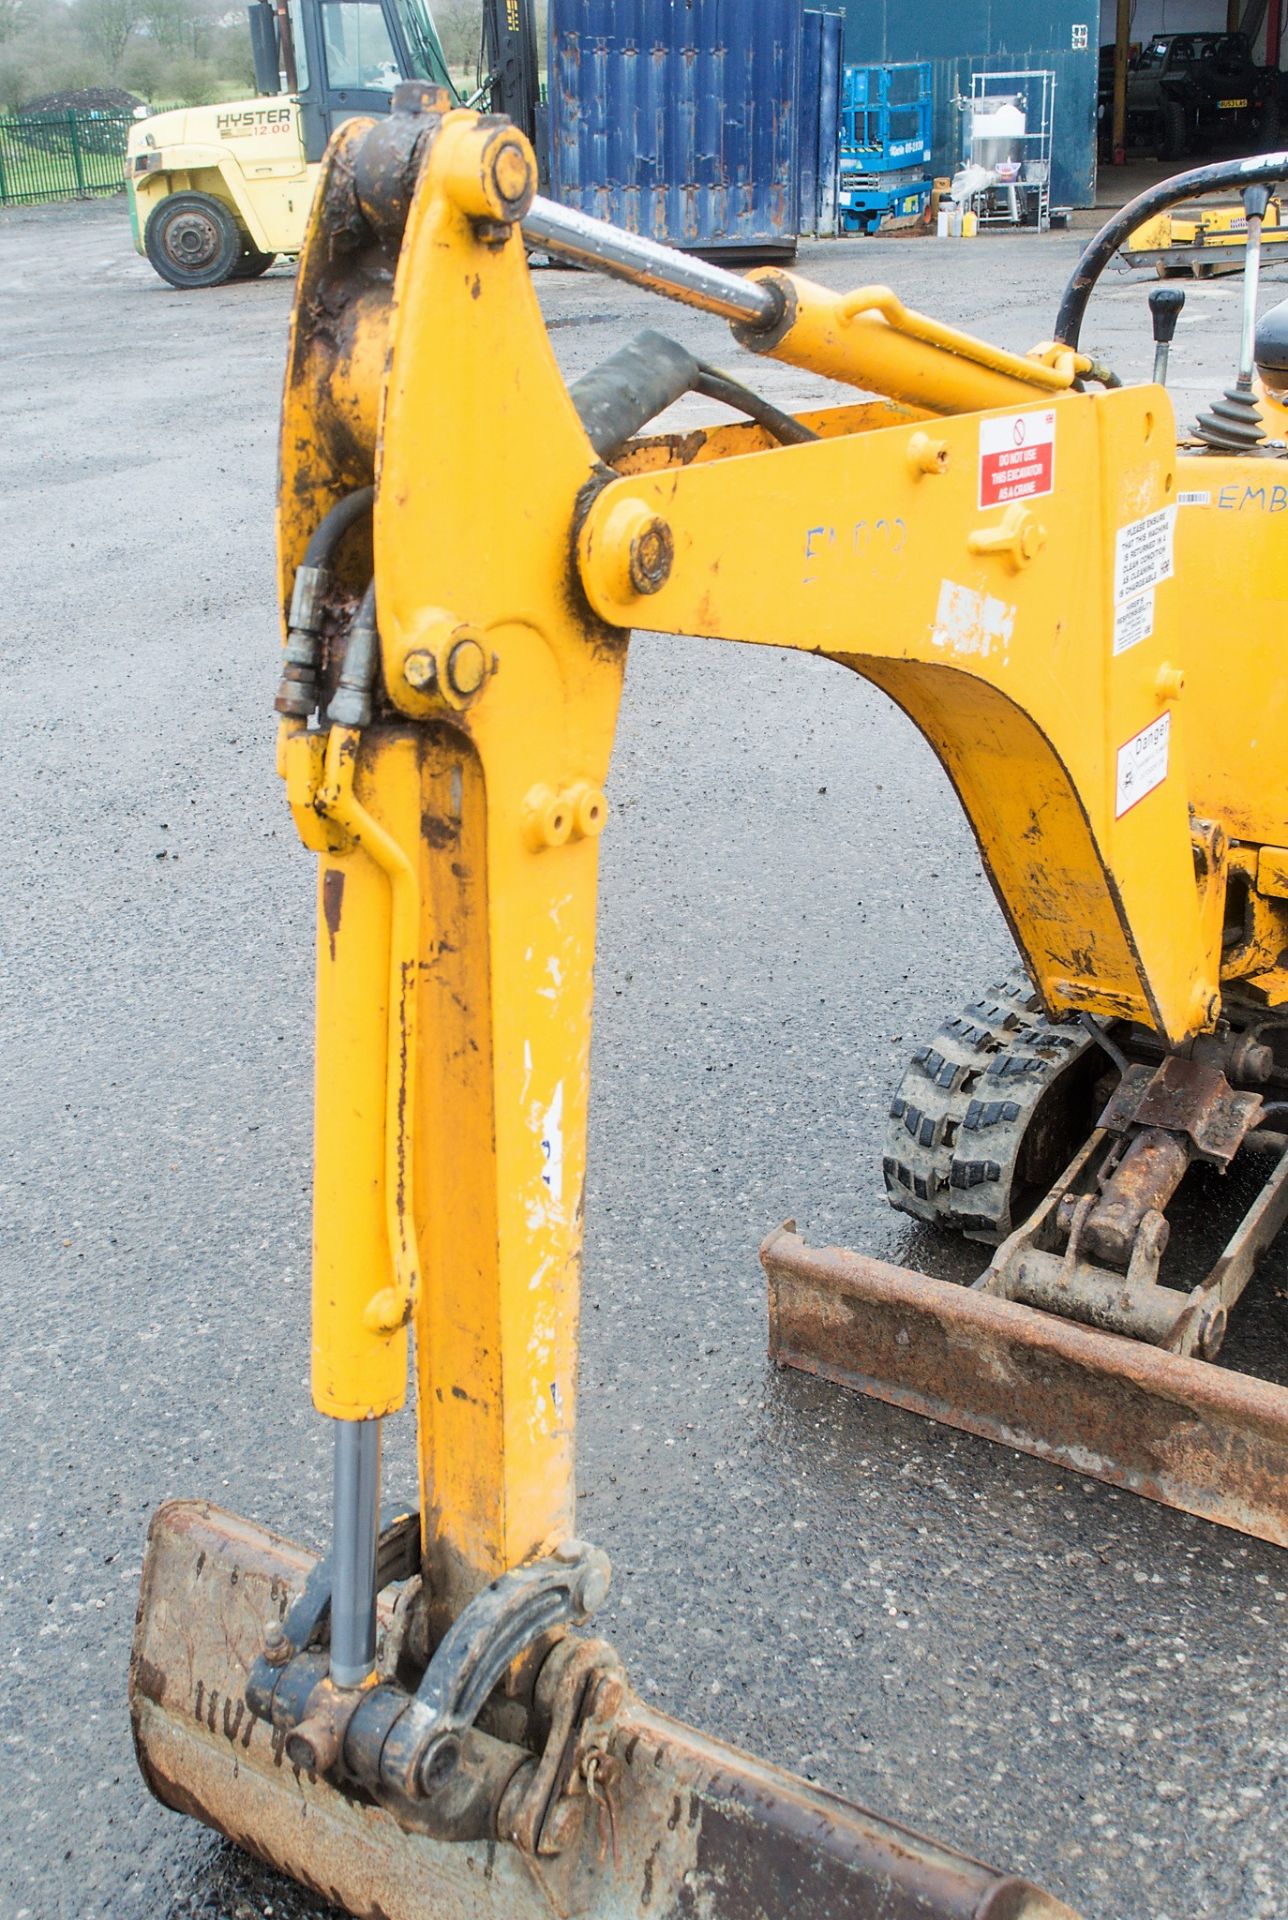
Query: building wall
x=984 y=36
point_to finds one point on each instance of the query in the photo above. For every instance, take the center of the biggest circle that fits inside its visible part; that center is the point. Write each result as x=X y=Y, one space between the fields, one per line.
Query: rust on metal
x=1185 y=1097
x=1144 y=1181
x=1182 y=1431
x=673 y=1822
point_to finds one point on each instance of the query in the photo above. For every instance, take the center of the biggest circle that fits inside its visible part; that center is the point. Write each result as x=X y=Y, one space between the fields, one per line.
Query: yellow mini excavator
x=418 y=1723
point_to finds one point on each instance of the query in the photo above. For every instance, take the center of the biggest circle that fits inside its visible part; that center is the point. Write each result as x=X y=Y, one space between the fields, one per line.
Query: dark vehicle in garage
x=1190 y=92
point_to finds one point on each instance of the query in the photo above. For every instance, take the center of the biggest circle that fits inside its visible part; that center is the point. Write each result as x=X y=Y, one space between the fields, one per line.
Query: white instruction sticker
x=1145 y=553
x=1142 y=764
x=1133 y=621
x=1016 y=457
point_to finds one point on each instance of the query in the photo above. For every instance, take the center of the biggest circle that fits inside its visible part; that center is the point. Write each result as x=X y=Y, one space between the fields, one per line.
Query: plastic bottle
x=970 y=225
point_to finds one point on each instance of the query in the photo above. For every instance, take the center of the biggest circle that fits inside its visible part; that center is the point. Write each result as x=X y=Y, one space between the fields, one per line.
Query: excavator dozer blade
x=1185 y=1432
x=687 y=1825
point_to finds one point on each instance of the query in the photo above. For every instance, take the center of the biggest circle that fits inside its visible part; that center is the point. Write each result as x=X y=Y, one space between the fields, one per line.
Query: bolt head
x=277 y=1648
x=420 y=670
x=609 y=1695
x=1211 y=1331
x=651 y=556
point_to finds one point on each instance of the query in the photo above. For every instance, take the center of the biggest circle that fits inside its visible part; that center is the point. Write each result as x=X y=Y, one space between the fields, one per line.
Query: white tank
x=995 y=133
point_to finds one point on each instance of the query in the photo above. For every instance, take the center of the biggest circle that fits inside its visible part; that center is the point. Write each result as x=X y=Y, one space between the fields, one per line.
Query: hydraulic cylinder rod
x=357 y=1526
x=867 y=338
x=645 y=263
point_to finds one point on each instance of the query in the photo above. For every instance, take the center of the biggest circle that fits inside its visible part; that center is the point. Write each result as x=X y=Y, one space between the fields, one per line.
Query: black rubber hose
x=621 y=395
x=333 y=526
x=785 y=427
x=1265 y=168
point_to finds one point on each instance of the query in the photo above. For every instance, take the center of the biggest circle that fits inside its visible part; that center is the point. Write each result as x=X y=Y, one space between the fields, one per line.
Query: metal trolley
x=1007 y=123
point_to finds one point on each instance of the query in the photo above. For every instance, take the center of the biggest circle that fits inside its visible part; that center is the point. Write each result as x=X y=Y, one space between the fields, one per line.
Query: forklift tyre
x=252 y=263
x=193 y=240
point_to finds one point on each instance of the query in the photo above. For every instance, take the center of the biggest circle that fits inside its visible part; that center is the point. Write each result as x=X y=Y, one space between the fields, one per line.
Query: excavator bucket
x=671 y=1822
x=1174 y=1428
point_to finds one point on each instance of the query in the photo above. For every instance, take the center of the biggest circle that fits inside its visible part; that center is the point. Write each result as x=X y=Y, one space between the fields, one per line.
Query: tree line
x=165 y=52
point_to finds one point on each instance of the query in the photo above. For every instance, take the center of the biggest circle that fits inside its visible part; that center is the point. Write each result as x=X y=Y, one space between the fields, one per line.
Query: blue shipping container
x=818 y=139
x=678 y=119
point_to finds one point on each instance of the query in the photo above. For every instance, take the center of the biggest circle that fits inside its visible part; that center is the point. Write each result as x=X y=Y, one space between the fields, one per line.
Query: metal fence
x=61 y=156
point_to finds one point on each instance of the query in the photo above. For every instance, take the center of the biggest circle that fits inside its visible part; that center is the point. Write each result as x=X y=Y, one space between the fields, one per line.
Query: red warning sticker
x=1016 y=458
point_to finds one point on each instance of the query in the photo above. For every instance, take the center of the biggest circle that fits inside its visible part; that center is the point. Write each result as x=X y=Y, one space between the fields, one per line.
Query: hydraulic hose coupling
x=351 y=703
x=297 y=693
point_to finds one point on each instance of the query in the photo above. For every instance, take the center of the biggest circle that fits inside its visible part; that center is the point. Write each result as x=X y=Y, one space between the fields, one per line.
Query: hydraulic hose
x=621 y=395
x=1265 y=168
x=333 y=526
x=785 y=427
x=297 y=692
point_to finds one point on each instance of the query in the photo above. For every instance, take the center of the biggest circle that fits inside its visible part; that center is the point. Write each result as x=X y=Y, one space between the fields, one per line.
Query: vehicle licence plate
x=1223 y=104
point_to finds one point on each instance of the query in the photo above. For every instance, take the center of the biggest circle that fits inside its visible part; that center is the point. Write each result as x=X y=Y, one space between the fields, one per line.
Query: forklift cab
x=341 y=58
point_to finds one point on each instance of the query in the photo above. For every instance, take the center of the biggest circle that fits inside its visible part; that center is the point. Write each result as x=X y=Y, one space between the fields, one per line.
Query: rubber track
x=958 y=1120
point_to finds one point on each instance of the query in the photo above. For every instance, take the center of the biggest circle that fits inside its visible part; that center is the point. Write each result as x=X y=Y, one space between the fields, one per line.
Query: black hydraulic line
x=331 y=529
x=1101 y=1038
x=785 y=427
x=1266 y=168
x=621 y=395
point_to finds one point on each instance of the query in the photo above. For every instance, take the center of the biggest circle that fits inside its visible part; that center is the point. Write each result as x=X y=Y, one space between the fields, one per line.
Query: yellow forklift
x=1083 y=613
x=217 y=193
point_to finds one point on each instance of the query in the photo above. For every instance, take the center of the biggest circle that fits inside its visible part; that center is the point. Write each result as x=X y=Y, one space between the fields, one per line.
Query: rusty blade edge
x=1183 y=1432
x=697 y=1826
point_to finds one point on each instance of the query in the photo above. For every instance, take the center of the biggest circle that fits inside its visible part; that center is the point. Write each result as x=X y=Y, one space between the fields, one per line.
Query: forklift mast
x=509 y=61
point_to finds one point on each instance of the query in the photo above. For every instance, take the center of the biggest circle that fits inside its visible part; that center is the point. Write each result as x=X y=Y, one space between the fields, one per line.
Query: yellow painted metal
x=989 y=626
x=1231 y=524
x=457 y=835
x=870 y=339
x=1206 y=226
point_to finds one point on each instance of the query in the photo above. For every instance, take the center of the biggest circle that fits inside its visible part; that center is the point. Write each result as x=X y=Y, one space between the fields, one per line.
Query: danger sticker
x=1133 y=621
x=1145 y=553
x=1016 y=458
x=1142 y=764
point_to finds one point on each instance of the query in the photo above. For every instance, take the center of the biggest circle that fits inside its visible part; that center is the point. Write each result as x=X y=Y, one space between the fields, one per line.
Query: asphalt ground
x=1051 y=1674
